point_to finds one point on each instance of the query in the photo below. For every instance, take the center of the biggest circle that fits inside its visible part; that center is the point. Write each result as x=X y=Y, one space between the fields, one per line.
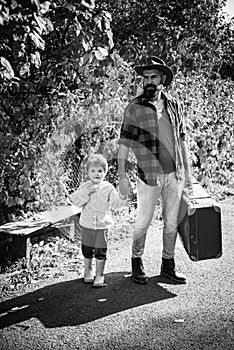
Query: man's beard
x=150 y=90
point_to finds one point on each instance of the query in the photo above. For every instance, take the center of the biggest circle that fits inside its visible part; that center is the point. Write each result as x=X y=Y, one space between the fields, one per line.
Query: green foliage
x=188 y=35
x=208 y=106
x=92 y=124
x=63 y=87
x=46 y=50
x=23 y=128
x=47 y=259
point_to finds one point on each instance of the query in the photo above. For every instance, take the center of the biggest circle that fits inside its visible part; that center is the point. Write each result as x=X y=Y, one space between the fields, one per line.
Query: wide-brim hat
x=156 y=63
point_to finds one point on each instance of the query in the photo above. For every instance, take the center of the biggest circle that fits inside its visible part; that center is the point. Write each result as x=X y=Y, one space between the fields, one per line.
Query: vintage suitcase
x=199 y=225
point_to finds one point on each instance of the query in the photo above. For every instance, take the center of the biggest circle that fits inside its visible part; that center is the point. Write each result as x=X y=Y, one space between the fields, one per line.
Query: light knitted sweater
x=96 y=207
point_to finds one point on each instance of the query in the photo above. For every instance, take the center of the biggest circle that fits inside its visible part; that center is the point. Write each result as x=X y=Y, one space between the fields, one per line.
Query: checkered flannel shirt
x=140 y=130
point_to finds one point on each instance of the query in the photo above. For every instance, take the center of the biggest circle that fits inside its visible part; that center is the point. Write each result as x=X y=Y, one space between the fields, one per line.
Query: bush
x=208 y=106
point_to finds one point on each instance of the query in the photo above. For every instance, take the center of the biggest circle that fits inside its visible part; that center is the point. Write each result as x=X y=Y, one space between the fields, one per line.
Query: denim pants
x=170 y=190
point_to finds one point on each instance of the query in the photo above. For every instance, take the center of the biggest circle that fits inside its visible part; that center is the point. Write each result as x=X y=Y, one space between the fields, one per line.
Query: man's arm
x=187 y=166
x=122 y=157
x=184 y=148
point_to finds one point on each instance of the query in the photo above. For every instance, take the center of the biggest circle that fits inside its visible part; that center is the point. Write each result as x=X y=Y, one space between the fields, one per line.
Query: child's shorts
x=96 y=238
x=94 y=243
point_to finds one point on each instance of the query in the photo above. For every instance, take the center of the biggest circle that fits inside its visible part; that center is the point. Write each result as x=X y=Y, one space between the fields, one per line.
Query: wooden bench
x=16 y=237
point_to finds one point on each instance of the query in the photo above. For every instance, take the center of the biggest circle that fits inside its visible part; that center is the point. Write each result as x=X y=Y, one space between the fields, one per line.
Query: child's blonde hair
x=97 y=159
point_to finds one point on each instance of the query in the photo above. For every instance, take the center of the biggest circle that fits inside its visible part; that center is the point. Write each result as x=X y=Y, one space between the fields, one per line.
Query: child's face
x=96 y=174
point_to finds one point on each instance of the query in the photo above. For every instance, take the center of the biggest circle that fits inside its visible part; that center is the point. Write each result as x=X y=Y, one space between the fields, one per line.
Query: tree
x=46 y=50
x=61 y=76
x=190 y=36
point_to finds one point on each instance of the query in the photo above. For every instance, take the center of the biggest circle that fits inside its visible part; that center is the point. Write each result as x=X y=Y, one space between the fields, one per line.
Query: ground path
x=66 y=314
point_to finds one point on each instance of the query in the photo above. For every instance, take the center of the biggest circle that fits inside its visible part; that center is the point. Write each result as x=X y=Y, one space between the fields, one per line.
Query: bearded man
x=153 y=127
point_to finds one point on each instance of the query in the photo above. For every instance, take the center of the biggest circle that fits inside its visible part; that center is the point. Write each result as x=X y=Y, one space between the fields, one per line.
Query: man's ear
x=164 y=77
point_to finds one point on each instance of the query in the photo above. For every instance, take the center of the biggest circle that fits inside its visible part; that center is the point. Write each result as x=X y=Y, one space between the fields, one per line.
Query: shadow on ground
x=72 y=302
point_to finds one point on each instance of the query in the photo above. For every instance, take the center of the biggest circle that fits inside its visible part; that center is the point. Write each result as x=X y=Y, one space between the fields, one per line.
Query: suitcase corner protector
x=193 y=258
x=191 y=211
x=217 y=208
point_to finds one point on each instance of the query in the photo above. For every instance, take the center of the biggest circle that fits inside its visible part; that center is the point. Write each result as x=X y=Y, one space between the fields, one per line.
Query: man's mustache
x=152 y=86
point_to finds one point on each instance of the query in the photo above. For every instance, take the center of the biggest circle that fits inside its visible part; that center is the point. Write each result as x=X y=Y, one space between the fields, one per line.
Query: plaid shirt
x=140 y=132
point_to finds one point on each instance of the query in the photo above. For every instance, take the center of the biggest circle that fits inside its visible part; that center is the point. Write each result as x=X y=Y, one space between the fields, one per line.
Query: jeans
x=170 y=190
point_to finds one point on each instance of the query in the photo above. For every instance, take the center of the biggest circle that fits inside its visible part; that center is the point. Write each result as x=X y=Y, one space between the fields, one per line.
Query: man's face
x=151 y=79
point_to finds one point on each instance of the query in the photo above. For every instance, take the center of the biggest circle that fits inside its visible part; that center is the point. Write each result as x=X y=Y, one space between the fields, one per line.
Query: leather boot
x=168 y=270
x=138 y=274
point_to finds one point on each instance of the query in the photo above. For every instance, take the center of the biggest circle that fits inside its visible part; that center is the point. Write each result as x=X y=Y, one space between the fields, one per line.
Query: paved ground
x=66 y=314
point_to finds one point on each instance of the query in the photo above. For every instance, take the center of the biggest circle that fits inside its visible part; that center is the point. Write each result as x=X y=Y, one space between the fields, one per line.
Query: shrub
x=208 y=105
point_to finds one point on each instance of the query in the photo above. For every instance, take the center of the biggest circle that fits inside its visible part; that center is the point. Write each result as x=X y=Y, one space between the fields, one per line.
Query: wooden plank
x=60 y=213
x=17 y=236
x=25 y=227
x=46 y=219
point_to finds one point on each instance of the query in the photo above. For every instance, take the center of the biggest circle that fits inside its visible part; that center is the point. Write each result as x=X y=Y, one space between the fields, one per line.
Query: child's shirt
x=96 y=206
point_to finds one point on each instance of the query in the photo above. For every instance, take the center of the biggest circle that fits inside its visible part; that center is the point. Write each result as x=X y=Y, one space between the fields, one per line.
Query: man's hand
x=188 y=186
x=124 y=186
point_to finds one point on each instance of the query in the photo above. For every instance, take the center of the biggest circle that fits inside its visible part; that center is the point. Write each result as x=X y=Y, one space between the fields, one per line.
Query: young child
x=96 y=197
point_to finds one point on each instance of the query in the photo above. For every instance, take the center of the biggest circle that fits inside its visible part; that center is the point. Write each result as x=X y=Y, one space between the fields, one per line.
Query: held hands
x=124 y=187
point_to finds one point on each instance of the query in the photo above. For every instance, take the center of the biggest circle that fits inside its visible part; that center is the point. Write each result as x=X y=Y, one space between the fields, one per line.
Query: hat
x=156 y=63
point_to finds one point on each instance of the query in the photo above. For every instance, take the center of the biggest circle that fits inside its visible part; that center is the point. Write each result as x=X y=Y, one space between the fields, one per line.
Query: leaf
x=37 y=40
x=40 y=23
x=36 y=59
x=19 y=201
x=70 y=6
x=49 y=25
x=10 y=202
x=14 y=4
x=110 y=37
x=44 y=7
x=101 y=53
x=35 y=5
x=87 y=58
x=98 y=21
x=3 y=197
x=4 y=17
x=107 y=20
x=25 y=69
x=85 y=44
x=7 y=70
x=90 y=4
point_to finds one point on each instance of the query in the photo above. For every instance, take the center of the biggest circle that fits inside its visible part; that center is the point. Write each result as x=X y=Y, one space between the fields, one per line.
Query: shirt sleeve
x=129 y=130
x=182 y=125
x=115 y=201
x=81 y=196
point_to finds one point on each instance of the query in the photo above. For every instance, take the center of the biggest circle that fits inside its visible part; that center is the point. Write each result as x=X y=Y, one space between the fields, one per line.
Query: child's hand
x=92 y=188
